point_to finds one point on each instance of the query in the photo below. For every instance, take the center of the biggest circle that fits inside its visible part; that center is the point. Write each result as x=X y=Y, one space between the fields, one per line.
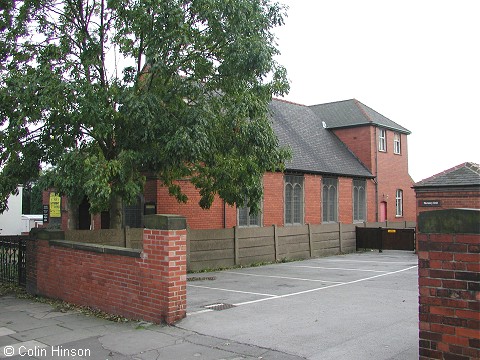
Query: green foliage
x=104 y=92
x=32 y=199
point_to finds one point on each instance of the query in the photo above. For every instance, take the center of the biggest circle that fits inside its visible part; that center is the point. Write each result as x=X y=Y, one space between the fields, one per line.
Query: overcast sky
x=416 y=62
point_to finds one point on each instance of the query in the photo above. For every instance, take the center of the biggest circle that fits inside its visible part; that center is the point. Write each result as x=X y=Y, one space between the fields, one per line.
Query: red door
x=383 y=211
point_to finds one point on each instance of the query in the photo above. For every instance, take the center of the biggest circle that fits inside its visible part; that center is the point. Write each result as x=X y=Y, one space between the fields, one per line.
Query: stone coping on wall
x=165 y=222
x=103 y=249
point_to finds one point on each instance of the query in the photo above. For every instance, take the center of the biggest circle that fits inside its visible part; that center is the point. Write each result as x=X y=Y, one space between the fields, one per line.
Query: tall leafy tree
x=32 y=199
x=103 y=92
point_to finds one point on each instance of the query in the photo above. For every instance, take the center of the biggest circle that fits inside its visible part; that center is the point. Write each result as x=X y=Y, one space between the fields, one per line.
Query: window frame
x=332 y=214
x=259 y=215
x=399 y=203
x=397 y=143
x=382 y=140
x=296 y=211
x=359 y=210
x=133 y=214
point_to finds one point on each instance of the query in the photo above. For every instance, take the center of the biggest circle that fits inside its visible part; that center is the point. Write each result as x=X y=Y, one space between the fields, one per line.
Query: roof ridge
x=473 y=167
x=332 y=102
x=289 y=102
x=358 y=103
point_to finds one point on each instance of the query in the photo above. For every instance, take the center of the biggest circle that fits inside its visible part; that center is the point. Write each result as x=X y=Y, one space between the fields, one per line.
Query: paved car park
x=355 y=306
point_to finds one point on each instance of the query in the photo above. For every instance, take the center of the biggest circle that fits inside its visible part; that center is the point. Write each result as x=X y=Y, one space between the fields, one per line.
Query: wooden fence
x=211 y=249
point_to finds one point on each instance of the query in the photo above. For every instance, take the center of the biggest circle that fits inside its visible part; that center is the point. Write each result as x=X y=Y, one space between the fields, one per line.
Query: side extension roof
x=466 y=174
x=348 y=113
x=315 y=149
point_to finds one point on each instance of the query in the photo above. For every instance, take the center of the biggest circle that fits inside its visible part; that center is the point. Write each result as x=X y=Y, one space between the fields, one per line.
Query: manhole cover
x=219 y=307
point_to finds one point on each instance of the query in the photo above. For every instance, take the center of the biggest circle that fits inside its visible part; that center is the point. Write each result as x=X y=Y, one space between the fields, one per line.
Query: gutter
x=224 y=214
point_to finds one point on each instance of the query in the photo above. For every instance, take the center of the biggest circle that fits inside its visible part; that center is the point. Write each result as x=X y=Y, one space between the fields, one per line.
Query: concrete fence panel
x=255 y=245
x=293 y=242
x=348 y=238
x=210 y=249
x=325 y=240
x=395 y=225
x=375 y=224
x=128 y=237
x=410 y=224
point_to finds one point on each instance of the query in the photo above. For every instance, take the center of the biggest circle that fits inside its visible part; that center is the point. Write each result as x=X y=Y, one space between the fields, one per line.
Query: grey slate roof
x=314 y=148
x=348 y=113
x=466 y=174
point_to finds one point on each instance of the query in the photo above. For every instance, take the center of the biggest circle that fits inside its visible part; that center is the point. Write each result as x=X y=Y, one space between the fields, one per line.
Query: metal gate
x=385 y=239
x=13 y=259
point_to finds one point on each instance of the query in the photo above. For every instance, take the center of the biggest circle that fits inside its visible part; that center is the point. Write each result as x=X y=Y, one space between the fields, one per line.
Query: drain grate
x=219 y=306
x=201 y=278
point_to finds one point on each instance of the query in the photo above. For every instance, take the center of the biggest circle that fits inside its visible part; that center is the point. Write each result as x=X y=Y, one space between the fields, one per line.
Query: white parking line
x=370 y=261
x=283 y=277
x=199 y=312
x=334 y=268
x=325 y=287
x=228 y=290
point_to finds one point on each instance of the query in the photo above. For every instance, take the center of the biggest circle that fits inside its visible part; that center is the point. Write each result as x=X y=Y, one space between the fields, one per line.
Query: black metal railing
x=13 y=259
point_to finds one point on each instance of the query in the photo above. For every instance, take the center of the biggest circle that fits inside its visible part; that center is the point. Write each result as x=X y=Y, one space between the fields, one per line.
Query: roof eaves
x=349 y=125
x=450 y=186
x=403 y=131
x=314 y=172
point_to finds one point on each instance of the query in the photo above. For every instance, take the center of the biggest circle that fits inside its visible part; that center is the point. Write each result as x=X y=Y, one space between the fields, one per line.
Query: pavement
x=356 y=306
x=32 y=330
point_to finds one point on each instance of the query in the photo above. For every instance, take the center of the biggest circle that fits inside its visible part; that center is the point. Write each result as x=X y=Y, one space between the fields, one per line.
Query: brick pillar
x=165 y=239
x=448 y=246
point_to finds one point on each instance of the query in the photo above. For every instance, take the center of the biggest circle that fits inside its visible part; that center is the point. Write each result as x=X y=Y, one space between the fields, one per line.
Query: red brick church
x=349 y=164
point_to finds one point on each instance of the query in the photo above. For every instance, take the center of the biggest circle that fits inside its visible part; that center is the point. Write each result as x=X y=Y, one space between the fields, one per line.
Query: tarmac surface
x=355 y=306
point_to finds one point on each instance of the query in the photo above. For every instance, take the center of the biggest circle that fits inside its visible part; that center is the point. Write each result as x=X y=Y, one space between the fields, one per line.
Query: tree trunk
x=72 y=215
x=116 y=212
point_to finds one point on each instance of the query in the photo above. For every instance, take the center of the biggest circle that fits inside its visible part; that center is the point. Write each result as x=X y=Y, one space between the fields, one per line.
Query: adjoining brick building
x=458 y=187
x=349 y=164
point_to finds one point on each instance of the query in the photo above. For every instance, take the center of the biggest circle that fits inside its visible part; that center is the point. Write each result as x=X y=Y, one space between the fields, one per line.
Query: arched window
x=293 y=200
x=247 y=219
x=359 y=200
x=329 y=199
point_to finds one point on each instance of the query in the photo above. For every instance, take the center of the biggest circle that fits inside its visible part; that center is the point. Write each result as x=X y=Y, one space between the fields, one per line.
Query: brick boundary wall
x=449 y=288
x=148 y=284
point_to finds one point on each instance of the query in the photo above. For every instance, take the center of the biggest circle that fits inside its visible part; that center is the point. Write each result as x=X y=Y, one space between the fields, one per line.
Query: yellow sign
x=55 y=202
x=392 y=230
